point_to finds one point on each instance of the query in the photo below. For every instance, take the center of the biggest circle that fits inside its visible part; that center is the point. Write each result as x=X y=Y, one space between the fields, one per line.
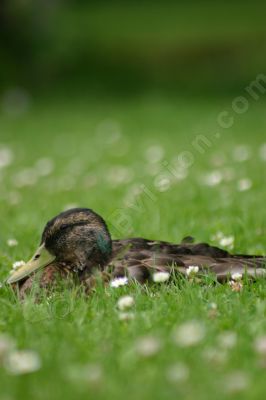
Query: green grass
x=69 y=330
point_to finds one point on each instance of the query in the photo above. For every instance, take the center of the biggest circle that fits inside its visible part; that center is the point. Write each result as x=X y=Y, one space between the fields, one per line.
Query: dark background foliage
x=130 y=46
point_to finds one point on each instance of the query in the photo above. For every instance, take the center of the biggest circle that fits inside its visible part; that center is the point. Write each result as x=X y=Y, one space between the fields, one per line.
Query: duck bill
x=41 y=259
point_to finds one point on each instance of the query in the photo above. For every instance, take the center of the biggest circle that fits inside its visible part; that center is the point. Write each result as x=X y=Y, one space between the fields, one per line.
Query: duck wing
x=139 y=258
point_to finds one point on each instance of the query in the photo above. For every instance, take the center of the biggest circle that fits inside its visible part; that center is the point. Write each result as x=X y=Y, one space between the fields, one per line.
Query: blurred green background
x=97 y=99
x=127 y=47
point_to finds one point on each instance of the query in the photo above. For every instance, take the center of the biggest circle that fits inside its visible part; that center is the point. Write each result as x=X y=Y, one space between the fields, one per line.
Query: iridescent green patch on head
x=103 y=243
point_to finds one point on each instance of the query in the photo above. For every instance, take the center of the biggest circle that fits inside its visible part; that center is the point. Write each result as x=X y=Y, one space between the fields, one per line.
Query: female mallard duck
x=77 y=242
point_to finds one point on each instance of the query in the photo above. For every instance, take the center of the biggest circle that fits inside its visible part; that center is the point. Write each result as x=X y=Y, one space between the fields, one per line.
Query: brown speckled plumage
x=80 y=240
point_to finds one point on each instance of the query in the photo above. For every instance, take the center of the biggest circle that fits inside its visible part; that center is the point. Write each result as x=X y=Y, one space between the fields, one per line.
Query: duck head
x=77 y=239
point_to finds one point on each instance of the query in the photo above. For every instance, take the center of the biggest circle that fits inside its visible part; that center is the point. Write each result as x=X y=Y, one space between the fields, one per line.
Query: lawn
x=98 y=153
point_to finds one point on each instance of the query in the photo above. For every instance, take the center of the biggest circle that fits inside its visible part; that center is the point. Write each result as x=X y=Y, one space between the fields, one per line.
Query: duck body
x=144 y=257
x=79 y=244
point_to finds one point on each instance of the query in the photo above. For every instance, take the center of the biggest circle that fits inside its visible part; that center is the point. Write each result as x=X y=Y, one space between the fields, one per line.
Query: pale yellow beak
x=41 y=259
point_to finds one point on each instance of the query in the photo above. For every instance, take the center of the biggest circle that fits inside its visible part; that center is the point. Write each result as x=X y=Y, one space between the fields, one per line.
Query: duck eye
x=37 y=256
x=64 y=226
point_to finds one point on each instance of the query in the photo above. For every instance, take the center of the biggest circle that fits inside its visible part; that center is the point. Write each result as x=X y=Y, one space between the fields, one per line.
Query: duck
x=76 y=244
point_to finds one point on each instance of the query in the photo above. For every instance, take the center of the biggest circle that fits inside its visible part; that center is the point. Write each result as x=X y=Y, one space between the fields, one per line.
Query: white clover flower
x=227 y=339
x=162 y=182
x=177 y=373
x=18 y=264
x=227 y=241
x=179 y=171
x=215 y=356
x=44 y=166
x=214 y=178
x=192 y=270
x=229 y=174
x=241 y=153
x=126 y=316
x=153 y=169
x=154 y=153
x=117 y=282
x=236 y=276
x=212 y=310
x=213 y=306
x=148 y=346
x=244 y=184
x=20 y=362
x=125 y=302
x=262 y=152
x=91 y=374
x=160 y=277
x=236 y=286
x=94 y=373
x=14 y=198
x=25 y=177
x=237 y=381
x=260 y=345
x=6 y=157
x=119 y=175
x=217 y=236
x=12 y=242
x=218 y=159
x=189 y=334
